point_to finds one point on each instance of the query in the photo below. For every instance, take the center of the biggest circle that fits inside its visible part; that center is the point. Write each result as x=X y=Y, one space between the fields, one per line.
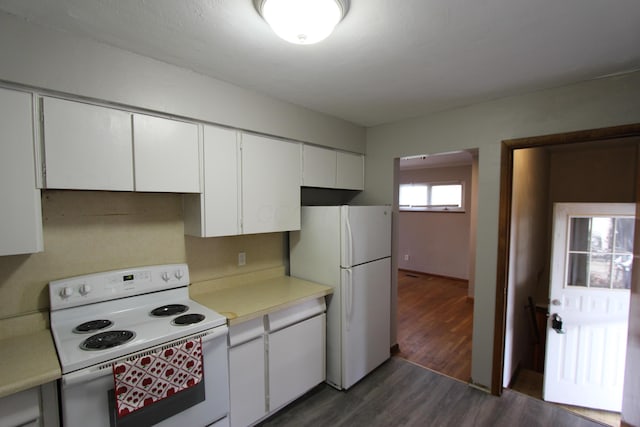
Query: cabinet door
x=216 y=212
x=318 y=167
x=270 y=185
x=296 y=360
x=247 y=383
x=20 y=214
x=86 y=147
x=166 y=155
x=350 y=171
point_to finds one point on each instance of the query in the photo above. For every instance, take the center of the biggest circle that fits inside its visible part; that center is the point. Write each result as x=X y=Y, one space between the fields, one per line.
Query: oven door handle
x=96 y=372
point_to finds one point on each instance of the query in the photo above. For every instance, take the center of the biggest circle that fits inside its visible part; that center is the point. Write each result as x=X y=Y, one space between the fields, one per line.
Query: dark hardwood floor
x=435 y=322
x=400 y=393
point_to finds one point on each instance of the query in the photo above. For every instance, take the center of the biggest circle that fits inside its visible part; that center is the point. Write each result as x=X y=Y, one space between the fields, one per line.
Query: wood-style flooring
x=435 y=323
x=400 y=393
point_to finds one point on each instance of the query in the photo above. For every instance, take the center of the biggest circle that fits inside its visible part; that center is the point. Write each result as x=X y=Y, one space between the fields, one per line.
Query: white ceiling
x=387 y=60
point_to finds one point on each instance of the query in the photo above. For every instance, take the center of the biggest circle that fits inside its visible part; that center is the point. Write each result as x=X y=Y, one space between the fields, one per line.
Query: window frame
x=434 y=208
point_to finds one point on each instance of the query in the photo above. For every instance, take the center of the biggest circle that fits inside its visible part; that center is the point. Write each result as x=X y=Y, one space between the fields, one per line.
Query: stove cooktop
x=99 y=331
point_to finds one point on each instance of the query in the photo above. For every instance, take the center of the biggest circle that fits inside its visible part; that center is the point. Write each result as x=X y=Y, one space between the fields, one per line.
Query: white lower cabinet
x=247 y=376
x=35 y=407
x=296 y=360
x=275 y=359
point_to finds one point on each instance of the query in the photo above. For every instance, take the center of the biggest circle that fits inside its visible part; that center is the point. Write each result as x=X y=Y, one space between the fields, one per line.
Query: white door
x=366 y=307
x=271 y=176
x=86 y=147
x=592 y=249
x=166 y=155
x=366 y=234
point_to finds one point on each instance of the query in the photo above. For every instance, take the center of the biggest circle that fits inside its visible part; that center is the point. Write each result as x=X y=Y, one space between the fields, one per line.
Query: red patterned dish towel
x=143 y=380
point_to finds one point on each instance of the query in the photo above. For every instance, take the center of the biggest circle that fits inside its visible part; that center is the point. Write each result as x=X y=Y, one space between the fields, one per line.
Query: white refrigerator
x=349 y=248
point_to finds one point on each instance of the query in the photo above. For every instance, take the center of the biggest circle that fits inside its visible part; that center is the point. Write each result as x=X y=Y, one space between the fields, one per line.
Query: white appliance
x=101 y=320
x=349 y=248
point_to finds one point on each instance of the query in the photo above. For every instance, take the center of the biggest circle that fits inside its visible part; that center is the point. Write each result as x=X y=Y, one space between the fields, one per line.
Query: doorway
x=571 y=149
x=435 y=255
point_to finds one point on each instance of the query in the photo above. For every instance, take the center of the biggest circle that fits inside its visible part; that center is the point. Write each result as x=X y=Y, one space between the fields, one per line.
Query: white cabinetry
x=247 y=375
x=271 y=368
x=251 y=185
x=20 y=214
x=326 y=168
x=318 y=167
x=90 y=147
x=166 y=155
x=86 y=147
x=296 y=360
x=35 y=407
x=216 y=212
x=270 y=185
x=350 y=175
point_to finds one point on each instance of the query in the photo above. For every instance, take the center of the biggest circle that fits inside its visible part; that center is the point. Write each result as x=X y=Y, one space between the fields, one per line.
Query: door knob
x=556 y=324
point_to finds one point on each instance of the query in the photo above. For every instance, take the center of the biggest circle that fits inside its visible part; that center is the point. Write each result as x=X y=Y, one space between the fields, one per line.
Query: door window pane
x=580 y=234
x=600 y=271
x=577 y=272
x=600 y=252
x=624 y=234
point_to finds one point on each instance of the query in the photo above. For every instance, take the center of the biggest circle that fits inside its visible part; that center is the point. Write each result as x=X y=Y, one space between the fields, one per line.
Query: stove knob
x=66 y=292
x=85 y=289
x=178 y=274
x=165 y=276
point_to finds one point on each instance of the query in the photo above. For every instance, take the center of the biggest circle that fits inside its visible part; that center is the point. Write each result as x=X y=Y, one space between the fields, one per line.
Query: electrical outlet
x=406 y=257
x=242 y=259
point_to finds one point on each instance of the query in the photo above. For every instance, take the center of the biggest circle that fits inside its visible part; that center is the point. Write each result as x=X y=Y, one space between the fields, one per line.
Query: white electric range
x=102 y=319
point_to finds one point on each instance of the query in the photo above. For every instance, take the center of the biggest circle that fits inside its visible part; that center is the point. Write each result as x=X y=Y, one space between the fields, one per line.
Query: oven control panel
x=97 y=287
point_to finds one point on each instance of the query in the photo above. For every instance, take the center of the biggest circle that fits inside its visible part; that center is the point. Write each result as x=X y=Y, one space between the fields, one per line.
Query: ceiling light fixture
x=302 y=21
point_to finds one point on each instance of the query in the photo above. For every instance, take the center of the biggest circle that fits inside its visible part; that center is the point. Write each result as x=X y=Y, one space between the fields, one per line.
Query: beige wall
x=52 y=60
x=91 y=231
x=598 y=103
x=436 y=242
x=528 y=256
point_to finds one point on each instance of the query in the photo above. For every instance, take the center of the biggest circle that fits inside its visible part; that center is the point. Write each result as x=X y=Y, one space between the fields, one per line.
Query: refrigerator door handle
x=350 y=242
x=349 y=297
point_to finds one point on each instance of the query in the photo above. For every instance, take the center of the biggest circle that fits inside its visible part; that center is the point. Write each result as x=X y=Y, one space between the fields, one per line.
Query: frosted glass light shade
x=302 y=21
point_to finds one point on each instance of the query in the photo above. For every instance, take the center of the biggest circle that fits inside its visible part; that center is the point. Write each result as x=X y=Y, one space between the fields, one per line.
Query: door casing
x=506 y=180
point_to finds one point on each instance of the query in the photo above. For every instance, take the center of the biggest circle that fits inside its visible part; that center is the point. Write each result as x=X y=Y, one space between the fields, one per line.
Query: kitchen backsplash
x=91 y=231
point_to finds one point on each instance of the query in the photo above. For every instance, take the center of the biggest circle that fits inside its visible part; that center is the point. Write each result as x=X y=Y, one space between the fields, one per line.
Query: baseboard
x=422 y=273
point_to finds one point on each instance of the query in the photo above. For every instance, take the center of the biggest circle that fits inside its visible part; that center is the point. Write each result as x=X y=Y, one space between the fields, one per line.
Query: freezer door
x=366 y=234
x=366 y=291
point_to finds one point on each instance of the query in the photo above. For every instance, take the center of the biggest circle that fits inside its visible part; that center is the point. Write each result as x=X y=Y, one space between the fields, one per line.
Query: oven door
x=88 y=400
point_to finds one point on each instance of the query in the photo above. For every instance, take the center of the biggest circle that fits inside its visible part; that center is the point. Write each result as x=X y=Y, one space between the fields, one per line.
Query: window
x=441 y=196
x=600 y=252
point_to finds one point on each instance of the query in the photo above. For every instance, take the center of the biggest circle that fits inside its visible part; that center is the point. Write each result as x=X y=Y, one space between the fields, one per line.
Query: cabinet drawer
x=289 y=316
x=246 y=331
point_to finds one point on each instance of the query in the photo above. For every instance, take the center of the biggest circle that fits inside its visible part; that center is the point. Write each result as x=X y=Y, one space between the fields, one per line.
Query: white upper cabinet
x=318 y=167
x=166 y=155
x=350 y=174
x=90 y=147
x=86 y=147
x=327 y=168
x=271 y=178
x=20 y=212
x=216 y=212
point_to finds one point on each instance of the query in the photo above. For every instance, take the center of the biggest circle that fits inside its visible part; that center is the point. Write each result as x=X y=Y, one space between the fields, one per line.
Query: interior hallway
x=435 y=323
x=435 y=319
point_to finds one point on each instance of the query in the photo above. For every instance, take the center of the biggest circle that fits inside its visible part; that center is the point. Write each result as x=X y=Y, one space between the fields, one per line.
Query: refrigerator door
x=366 y=234
x=366 y=291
